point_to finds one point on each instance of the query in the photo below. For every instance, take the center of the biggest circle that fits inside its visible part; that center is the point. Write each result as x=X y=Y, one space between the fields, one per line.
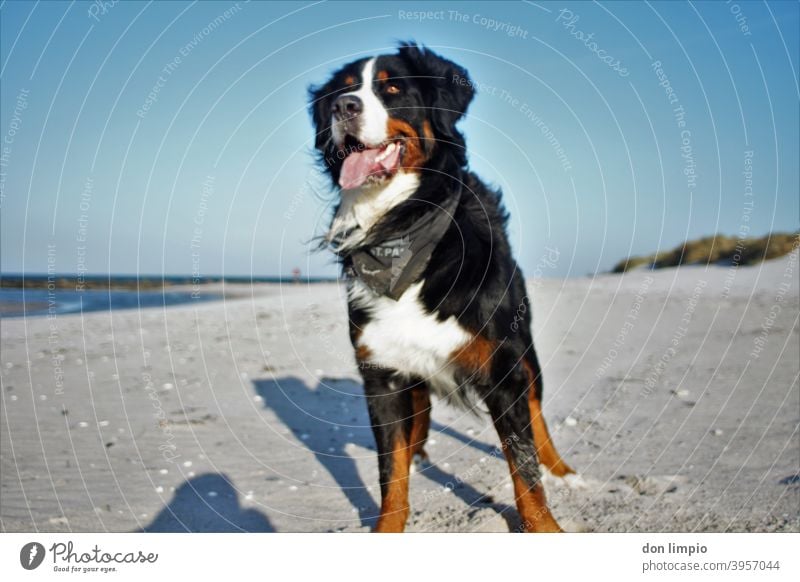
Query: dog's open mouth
x=369 y=163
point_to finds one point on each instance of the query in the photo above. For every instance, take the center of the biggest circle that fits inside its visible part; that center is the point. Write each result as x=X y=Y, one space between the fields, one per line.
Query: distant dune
x=719 y=249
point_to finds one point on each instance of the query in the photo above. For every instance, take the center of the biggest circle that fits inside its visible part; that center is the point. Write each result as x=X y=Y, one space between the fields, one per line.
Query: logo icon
x=31 y=555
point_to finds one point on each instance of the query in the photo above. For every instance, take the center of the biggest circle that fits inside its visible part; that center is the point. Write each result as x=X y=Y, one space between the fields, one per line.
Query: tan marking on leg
x=531 y=503
x=394 y=503
x=421 y=402
x=545 y=449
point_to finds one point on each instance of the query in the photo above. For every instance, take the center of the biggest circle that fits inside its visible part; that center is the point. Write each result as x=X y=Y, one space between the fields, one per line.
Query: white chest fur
x=361 y=208
x=401 y=335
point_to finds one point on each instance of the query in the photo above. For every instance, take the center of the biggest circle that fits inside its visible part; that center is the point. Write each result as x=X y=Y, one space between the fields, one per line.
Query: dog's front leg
x=508 y=405
x=391 y=413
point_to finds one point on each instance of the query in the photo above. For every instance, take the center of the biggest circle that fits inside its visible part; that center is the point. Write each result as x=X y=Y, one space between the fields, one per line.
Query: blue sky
x=168 y=137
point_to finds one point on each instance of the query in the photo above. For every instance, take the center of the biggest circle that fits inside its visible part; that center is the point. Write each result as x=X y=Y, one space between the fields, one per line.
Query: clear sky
x=170 y=137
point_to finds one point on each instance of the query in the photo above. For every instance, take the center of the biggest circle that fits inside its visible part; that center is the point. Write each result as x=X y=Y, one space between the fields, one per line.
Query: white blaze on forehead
x=374 y=117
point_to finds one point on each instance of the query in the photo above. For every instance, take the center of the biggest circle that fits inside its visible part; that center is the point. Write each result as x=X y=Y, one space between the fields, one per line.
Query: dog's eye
x=392 y=89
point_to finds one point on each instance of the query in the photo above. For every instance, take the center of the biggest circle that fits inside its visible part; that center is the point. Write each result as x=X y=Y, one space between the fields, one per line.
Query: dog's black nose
x=347 y=106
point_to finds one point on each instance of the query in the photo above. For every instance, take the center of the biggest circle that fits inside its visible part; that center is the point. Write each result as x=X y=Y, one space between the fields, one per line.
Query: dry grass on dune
x=720 y=249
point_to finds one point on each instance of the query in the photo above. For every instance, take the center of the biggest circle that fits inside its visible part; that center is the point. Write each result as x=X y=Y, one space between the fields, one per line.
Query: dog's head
x=393 y=113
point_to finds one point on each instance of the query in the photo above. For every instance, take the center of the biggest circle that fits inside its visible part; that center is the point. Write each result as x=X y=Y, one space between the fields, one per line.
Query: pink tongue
x=358 y=166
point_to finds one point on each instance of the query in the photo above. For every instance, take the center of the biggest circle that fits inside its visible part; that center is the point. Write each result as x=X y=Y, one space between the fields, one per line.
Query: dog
x=437 y=304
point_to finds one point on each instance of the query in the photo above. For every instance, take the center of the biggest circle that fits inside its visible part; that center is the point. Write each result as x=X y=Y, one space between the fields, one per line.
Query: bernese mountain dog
x=437 y=304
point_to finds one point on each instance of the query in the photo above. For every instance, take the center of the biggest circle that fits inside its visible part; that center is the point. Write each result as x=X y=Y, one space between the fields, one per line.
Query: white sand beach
x=674 y=393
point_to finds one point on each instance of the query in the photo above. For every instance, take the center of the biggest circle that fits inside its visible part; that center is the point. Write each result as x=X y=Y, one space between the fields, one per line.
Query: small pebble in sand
x=243 y=375
x=13 y=397
x=257 y=398
x=249 y=495
x=682 y=393
x=103 y=423
x=190 y=474
x=83 y=424
x=167 y=386
x=58 y=521
x=187 y=463
x=431 y=442
x=471 y=431
x=78 y=361
x=163 y=471
x=569 y=421
x=717 y=432
x=42 y=397
x=159 y=489
x=292 y=487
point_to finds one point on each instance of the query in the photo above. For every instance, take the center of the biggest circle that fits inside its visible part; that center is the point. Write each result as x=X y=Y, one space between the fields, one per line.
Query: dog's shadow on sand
x=333 y=416
x=208 y=503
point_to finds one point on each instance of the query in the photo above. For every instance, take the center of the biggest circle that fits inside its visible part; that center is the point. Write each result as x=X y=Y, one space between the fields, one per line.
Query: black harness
x=391 y=266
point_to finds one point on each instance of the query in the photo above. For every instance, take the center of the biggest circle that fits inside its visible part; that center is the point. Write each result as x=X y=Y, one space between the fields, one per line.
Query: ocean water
x=39 y=302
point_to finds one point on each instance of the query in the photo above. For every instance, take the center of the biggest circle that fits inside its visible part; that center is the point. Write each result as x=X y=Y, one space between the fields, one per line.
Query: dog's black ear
x=448 y=89
x=319 y=106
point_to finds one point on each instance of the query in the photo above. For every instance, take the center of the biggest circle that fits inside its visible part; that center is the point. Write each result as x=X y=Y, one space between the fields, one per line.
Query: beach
x=674 y=393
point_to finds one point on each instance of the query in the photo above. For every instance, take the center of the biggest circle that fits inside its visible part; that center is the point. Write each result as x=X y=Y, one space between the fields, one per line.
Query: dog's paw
x=574 y=481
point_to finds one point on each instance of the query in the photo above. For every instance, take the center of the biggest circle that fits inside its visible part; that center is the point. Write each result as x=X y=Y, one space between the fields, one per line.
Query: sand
x=674 y=393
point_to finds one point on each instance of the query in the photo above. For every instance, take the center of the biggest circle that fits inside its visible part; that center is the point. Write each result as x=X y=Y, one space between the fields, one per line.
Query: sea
x=36 y=299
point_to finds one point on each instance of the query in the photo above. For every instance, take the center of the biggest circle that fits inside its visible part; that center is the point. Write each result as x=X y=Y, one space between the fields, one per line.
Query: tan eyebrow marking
x=382 y=75
x=349 y=80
